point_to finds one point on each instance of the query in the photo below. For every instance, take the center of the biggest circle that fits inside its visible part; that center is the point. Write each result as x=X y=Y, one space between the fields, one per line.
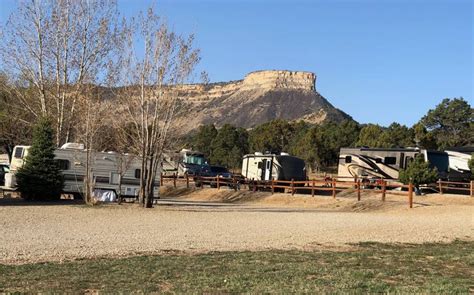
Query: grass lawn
x=373 y=267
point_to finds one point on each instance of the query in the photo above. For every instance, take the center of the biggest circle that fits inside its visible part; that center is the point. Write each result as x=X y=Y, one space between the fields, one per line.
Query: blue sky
x=379 y=61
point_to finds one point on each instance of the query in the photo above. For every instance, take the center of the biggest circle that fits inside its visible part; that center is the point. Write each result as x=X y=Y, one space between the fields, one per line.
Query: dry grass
x=372 y=268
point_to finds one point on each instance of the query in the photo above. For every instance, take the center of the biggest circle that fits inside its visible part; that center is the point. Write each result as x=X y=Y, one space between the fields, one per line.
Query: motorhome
x=112 y=172
x=184 y=162
x=459 y=163
x=371 y=163
x=282 y=166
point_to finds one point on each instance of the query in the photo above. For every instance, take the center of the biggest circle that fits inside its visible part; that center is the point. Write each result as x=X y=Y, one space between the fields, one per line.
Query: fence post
x=187 y=180
x=234 y=183
x=472 y=188
x=174 y=179
x=200 y=181
x=273 y=186
x=312 y=190
x=218 y=184
x=440 y=186
x=255 y=182
x=161 y=178
x=292 y=186
x=410 y=194
x=358 y=189
x=333 y=188
x=384 y=189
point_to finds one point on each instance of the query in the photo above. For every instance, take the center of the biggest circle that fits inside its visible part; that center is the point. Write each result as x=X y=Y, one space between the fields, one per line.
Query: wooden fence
x=326 y=184
x=444 y=186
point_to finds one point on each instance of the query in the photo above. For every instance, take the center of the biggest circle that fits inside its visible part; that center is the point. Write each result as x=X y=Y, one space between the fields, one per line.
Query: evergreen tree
x=451 y=122
x=370 y=136
x=423 y=138
x=203 y=139
x=418 y=172
x=274 y=136
x=40 y=177
x=397 y=135
x=229 y=146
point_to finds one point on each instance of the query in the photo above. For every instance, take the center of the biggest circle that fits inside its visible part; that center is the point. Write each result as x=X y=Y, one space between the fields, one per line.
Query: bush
x=418 y=172
x=40 y=177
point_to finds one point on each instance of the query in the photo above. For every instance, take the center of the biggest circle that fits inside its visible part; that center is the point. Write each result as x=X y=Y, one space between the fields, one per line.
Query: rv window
x=348 y=159
x=18 y=153
x=260 y=165
x=378 y=160
x=63 y=164
x=114 y=178
x=408 y=160
x=137 y=173
x=390 y=160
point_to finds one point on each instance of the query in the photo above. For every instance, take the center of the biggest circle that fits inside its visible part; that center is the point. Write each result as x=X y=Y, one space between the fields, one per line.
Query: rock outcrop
x=258 y=98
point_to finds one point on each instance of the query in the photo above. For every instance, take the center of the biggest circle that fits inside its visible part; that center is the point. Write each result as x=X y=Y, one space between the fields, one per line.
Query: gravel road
x=61 y=232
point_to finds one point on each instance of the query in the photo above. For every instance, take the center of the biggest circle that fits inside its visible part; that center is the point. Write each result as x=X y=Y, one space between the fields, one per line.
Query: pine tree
x=418 y=172
x=40 y=177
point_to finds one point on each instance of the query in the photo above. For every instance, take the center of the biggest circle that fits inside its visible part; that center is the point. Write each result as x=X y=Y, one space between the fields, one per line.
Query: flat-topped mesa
x=254 y=81
x=280 y=79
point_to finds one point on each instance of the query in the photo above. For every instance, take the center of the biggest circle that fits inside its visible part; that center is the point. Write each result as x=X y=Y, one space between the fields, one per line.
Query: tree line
x=449 y=124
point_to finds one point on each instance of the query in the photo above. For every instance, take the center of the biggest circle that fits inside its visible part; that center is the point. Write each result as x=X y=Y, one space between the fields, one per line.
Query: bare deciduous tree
x=15 y=126
x=56 y=47
x=151 y=79
x=95 y=113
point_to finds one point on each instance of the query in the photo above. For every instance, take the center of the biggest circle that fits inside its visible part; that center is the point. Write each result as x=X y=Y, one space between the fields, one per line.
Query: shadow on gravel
x=209 y=206
x=4 y=202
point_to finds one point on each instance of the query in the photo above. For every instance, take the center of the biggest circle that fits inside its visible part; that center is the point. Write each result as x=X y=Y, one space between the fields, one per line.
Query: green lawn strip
x=372 y=267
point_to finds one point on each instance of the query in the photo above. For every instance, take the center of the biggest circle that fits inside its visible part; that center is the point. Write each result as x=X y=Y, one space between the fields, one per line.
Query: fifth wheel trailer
x=112 y=172
x=386 y=163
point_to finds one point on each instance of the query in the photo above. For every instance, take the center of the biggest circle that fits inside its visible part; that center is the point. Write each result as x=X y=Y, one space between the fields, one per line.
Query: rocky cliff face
x=258 y=98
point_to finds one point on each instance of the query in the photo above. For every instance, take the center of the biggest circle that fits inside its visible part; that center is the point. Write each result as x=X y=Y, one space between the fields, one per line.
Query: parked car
x=212 y=171
x=4 y=169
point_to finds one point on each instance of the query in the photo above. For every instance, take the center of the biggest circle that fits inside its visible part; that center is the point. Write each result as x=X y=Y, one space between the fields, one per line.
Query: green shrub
x=418 y=172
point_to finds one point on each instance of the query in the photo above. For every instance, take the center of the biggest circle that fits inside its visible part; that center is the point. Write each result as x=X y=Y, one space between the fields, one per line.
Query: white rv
x=374 y=163
x=260 y=166
x=459 y=163
x=110 y=170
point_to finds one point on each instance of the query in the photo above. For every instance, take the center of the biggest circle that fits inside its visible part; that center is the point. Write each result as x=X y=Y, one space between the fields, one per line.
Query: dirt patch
x=171 y=192
x=345 y=200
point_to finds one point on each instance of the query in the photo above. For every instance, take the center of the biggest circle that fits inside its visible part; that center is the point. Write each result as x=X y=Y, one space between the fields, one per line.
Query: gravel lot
x=33 y=233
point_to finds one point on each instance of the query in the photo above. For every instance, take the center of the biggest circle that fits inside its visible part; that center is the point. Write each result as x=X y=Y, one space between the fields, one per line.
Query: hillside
x=258 y=98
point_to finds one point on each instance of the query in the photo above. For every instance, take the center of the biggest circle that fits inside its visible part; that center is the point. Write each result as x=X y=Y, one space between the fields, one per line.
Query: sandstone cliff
x=258 y=98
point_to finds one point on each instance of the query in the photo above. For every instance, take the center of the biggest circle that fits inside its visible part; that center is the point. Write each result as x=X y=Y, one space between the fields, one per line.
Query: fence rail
x=323 y=184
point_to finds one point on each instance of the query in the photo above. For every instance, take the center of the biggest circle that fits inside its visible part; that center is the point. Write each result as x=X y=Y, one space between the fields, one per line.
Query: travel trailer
x=459 y=163
x=374 y=163
x=185 y=161
x=261 y=166
x=112 y=172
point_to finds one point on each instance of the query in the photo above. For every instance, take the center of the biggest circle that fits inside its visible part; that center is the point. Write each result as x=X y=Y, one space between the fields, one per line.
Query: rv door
x=262 y=166
x=268 y=170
